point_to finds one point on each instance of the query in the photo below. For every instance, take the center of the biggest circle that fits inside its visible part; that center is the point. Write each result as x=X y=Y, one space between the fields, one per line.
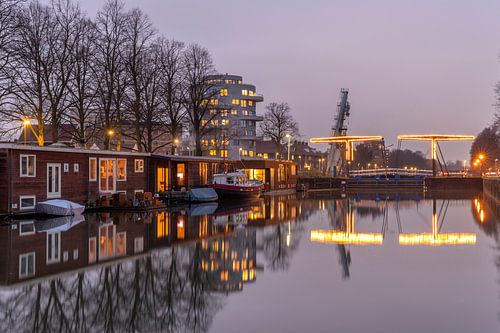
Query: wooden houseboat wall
x=274 y=174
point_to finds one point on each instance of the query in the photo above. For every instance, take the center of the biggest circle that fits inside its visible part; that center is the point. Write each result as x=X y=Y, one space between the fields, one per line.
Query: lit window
x=93 y=169
x=234 y=112
x=251 y=93
x=121 y=243
x=223 y=153
x=223 y=113
x=244 y=112
x=235 y=101
x=203 y=122
x=225 y=122
x=92 y=249
x=244 y=92
x=214 y=101
x=223 y=92
x=213 y=111
x=121 y=169
x=214 y=122
x=250 y=153
x=28 y=166
x=204 y=143
x=139 y=165
x=250 y=103
x=243 y=103
x=213 y=152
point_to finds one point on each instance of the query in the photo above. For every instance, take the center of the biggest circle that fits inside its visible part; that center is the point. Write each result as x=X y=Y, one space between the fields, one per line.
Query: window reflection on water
x=183 y=264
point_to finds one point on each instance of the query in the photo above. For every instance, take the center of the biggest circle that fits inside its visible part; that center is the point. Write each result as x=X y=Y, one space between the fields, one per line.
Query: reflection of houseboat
x=235 y=184
x=235 y=217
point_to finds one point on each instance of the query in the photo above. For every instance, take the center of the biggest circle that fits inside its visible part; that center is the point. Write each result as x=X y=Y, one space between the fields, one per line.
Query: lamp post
x=288 y=136
x=176 y=142
x=110 y=133
x=26 y=123
x=239 y=152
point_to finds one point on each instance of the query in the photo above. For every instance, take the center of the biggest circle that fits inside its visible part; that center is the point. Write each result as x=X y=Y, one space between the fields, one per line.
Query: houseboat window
x=66 y=167
x=76 y=167
x=28 y=166
x=107 y=175
x=27 y=202
x=162 y=179
x=138 y=244
x=92 y=249
x=26 y=228
x=53 y=247
x=107 y=241
x=256 y=174
x=26 y=265
x=203 y=173
x=293 y=169
x=121 y=243
x=281 y=173
x=121 y=169
x=162 y=225
x=93 y=169
x=139 y=165
x=181 y=170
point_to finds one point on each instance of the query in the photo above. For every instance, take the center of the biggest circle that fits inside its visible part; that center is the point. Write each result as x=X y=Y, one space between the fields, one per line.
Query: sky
x=411 y=67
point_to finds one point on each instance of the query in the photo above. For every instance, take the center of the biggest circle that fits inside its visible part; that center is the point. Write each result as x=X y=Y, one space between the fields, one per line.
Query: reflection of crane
x=335 y=155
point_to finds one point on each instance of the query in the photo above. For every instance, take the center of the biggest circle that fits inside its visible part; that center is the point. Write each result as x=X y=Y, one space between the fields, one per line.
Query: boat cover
x=59 y=207
x=203 y=194
x=207 y=208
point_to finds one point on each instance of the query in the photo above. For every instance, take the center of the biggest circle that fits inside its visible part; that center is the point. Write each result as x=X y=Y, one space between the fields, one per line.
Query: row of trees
x=58 y=66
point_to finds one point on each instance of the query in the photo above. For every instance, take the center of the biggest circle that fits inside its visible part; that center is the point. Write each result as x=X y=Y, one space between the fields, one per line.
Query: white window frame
x=115 y=166
x=139 y=169
x=25 y=255
x=75 y=254
x=66 y=167
x=138 y=191
x=95 y=169
x=54 y=259
x=138 y=244
x=58 y=193
x=76 y=167
x=21 y=197
x=27 y=165
x=116 y=172
x=21 y=233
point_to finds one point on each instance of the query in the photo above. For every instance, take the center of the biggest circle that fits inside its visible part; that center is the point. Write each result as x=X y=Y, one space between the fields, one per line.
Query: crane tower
x=335 y=153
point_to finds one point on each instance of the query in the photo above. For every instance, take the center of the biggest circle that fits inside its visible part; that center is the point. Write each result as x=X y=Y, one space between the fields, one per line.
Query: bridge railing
x=390 y=172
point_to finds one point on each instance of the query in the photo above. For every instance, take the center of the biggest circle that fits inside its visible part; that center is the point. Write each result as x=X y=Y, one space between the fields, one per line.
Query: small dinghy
x=202 y=194
x=59 y=207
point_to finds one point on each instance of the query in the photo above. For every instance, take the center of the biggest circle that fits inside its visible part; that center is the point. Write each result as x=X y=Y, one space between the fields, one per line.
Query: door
x=53 y=180
x=107 y=178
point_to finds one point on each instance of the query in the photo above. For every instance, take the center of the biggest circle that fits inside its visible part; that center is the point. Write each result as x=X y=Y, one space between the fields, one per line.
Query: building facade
x=233 y=118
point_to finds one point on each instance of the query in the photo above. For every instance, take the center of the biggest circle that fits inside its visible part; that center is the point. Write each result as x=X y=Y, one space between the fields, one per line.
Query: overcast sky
x=425 y=66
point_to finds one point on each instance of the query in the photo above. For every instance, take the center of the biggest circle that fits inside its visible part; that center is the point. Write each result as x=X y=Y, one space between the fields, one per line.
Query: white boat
x=59 y=207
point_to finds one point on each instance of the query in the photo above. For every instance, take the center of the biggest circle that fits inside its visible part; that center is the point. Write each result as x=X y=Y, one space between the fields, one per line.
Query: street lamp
x=26 y=123
x=110 y=133
x=239 y=152
x=288 y=136
x=176 y=142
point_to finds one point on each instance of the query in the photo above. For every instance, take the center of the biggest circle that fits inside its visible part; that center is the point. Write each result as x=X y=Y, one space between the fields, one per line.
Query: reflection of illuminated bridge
x=349 y=236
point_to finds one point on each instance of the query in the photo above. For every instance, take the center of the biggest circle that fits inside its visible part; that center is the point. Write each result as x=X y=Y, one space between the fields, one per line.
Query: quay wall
x=491 y=188
x=474 y=184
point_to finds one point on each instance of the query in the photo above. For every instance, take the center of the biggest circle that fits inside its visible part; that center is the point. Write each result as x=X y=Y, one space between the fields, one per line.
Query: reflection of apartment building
x=233 y=118
x=230 y=261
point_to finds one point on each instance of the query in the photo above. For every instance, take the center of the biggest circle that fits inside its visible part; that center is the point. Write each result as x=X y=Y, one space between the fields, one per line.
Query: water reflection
x=176 y=270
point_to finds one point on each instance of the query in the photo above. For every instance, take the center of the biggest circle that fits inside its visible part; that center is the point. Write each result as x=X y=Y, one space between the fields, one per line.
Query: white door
x=53 y=180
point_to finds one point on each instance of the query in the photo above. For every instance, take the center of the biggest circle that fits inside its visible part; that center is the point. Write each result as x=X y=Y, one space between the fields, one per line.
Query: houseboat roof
x=68 y=149
x=191 y=158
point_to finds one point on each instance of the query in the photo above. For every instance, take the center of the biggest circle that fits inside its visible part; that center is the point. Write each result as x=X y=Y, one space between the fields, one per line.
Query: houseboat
x=235 y=184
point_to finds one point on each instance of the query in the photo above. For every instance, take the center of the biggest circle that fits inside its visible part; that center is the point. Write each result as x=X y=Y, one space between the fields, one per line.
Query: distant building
x=236 y=119
x=306 y=157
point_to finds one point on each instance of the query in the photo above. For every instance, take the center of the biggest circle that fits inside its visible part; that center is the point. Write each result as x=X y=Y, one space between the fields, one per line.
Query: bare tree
x=139 y=33
x=171 y=66
x=109 y=68
x=198 y=93
x=278 y=122
x=82 y=87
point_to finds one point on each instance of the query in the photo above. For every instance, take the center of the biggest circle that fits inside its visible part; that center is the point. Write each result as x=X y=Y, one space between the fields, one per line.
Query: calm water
x=313 y=263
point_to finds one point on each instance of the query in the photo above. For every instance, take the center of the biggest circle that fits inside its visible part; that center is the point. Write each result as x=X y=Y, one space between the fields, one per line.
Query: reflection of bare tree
x=280 y=243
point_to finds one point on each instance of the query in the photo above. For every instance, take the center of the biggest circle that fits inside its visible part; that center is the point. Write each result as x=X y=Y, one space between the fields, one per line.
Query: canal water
x=305 y=263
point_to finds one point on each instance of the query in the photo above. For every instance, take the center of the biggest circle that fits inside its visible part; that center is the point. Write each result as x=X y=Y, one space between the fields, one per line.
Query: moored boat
x=59 y=207
x=236 y=185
